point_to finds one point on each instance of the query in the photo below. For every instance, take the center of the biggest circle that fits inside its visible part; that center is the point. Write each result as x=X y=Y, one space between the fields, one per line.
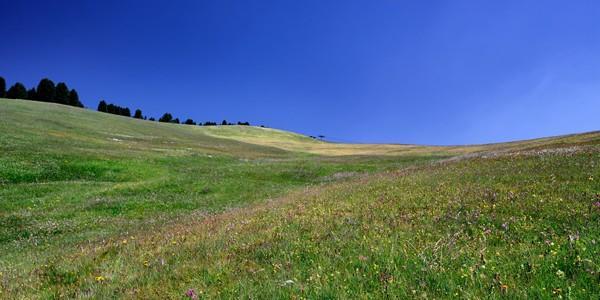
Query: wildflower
x=503 y=288
x=505 y=226
x=191 y=294
x=560 y=274
x=124 y=241
x=597 y=204
x=100 y=279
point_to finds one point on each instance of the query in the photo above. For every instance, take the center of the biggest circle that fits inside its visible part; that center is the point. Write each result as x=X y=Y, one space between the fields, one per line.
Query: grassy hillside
x=102 y=206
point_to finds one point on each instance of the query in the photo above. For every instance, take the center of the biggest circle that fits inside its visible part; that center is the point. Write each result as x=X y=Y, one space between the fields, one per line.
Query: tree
x=61 y=94
x=31 y=94
x=151 y=119
x=176 y=121
x=138 y=114
x=111 y=109
x=17 y=91
x=74 y=98
x=125 y=112
x=102 y=106
x=189 y=122
x=224 y=122
x=166 y=118
x=46 y=90
x=2 y=88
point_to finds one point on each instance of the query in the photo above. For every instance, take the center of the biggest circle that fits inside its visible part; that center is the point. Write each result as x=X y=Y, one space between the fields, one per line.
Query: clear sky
x=427 y=72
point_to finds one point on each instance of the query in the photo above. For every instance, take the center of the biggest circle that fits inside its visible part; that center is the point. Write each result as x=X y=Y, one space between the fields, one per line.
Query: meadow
x=94 y=205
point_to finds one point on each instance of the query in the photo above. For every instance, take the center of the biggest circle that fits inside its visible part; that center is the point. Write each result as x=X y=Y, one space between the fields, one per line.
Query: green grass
x=101 y=206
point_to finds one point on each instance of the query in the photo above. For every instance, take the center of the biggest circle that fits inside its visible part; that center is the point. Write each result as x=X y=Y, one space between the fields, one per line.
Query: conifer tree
x=74 y=98
x=102 y=106
x=46 y=90
x=2 y=87
x=17 y=91
x=31 y=94
x=61 y=94
x=166 y=118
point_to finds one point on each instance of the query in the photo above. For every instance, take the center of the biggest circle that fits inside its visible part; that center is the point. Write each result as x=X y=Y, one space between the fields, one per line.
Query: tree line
x=46 y=91
x=114 y=109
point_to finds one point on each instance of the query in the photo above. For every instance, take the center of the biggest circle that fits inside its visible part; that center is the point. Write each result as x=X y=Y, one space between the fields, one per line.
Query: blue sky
x=427 y=72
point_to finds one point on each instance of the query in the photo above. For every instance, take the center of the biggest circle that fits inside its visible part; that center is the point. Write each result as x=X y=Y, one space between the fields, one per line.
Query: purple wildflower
x=191 y=294
x=597 y=204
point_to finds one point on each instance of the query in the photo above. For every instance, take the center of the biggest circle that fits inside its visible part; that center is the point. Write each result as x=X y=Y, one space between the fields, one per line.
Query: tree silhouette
x=166 y=118
x=74 y=98
x=102 y=106
x=46 y=90
x=61 y=93
x=138 y=114
x=189 y=122
x=224 y=122
x=31 y=94
x=2 y=88
x=17 y=91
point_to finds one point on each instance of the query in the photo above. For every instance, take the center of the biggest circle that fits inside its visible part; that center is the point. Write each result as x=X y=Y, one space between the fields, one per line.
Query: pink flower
x=191 y=294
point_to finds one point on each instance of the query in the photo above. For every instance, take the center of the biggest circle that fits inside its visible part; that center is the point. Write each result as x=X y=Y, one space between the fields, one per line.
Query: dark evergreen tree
x=224 y=122
x=2 y=88
x=17 y=91
x=126 y=112
x=74 y=99
x=189 y=122
x=176 y=121
x=61 y=94
x=138 y=114
x=111 y=109
x=166 y=118
x=31 y=94
x=102 y=106
x=46 y=90
x=151 y=119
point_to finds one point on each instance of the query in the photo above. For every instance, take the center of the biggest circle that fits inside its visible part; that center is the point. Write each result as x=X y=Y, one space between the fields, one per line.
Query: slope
x=96 y=205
